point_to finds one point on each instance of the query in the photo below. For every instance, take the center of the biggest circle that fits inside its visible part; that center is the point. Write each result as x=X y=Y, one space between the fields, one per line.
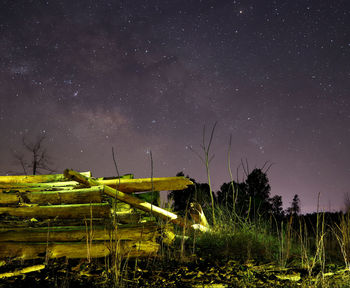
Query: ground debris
x=200 y=273
x=22 y=271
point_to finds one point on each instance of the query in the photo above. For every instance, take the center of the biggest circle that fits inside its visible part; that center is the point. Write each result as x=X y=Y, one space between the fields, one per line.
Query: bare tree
x=35 y=157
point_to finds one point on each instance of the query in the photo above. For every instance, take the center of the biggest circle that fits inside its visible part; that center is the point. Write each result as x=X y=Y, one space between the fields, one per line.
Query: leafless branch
x=38 y=154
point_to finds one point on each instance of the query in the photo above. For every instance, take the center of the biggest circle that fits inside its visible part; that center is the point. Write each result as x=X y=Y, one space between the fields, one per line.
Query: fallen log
x=85 y=195
x=133 y=201
x=36 y=178
x=147 y=184
x=197 y=214
x=18 y=222
x=94 y=210
x=22 y=271
x=136 y=232
x=124 y=185
x=26 y=251
x=122 y=214
x=40 y=186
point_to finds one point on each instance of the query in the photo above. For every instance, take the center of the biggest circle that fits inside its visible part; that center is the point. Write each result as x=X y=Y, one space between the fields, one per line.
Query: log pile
x=76 y=216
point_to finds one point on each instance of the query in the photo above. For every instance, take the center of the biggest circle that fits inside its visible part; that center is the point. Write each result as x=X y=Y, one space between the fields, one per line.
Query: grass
x=314 y=247
x=342 y=234
x=296 y=250
x=239 y=239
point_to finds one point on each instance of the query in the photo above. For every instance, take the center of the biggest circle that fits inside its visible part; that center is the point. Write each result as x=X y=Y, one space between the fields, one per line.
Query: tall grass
x=286 y=242
x=235 y=238
x=342 y=234
x=206 y=161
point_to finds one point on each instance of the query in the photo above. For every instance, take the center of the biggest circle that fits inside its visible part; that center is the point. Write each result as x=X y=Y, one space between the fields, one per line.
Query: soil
x=157 y=273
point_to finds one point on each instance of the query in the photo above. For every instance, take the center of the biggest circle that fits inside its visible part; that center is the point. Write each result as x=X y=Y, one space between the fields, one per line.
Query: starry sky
x=145 y=76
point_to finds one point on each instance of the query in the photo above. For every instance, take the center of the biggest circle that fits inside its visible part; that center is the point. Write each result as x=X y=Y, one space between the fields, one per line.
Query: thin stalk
x=231 y=177
x=206 y=160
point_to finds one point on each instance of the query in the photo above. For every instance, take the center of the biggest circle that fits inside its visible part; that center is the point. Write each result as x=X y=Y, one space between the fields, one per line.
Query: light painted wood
x=94 y=210
x=85 y=195
x=22 y=271
x=124 y=185
x=136 y=232
x=36 y=178
x=147 y=184
x=133 y=201
x=26 y=251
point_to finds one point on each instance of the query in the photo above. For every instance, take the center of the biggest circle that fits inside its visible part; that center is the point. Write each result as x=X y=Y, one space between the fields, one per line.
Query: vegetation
x=252 y=227
x=253 y=242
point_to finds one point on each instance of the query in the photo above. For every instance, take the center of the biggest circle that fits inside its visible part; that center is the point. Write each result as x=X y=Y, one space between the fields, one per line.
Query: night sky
x=145 y=76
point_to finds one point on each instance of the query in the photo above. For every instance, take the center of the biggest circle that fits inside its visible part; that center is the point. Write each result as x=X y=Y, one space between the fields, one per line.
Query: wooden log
x=94 y=210
x=124 y=185
x=18 y=222
x=133 y=201
x=125 y=176
x=147 y=184
x=136 y=232
x=25 y=251
x=40 y=186
x=86 y=195
x=197 y=214
x=36 y=178
x=22 y=271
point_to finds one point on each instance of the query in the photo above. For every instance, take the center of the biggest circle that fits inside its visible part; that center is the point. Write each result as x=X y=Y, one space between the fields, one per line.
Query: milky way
x=145 y=76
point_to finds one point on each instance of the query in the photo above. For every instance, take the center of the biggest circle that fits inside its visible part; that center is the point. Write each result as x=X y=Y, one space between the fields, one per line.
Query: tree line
x=250 y=198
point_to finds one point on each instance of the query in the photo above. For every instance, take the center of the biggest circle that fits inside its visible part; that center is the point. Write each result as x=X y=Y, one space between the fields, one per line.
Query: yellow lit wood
x=136 y=232
x=133 y=201
x=22 y=271
x=97 y=210
x=36 y=178
x=25 y=250
x=85 y=195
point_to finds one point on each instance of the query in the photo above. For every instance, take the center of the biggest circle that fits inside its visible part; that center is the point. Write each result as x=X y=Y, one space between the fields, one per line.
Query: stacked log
x=137 y=203
x=136 y=240
x=51 y=216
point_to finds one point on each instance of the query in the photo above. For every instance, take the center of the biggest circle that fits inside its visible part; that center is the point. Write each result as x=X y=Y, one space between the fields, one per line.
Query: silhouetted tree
x=277 y=206
x=181 y=198
x=294 y=208
x=258 y=191
x=233 y=193
x=199 y=192
x=35 y=158
x=252 y=196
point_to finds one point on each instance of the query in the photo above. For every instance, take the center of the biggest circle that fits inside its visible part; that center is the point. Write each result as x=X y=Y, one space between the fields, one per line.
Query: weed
x=342 y=234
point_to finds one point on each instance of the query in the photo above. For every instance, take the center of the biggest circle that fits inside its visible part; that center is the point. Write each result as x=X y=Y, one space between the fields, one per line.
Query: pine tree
x=294 y=208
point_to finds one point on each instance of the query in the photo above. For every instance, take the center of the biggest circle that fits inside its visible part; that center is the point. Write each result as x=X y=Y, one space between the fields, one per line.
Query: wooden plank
x=85 y=195
x=36 y=178
x=136 y=232
x=22 y=271
x=25 y=251
x=124 y=185
x=96 y=210
x=147 y=184
x=18 y=222
x=135 y=202
x=39 y=186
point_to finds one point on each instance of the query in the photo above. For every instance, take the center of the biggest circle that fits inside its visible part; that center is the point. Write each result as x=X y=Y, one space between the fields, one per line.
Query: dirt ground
x=155 y=273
